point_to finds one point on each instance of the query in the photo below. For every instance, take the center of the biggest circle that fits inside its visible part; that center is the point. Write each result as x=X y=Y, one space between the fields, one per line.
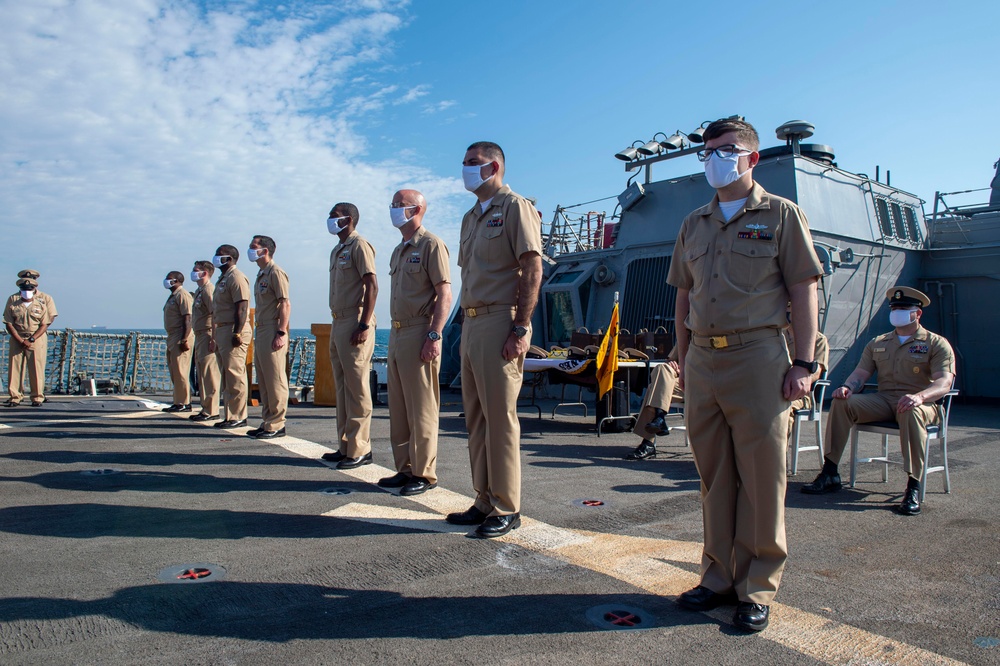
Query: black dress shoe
x=645 y=450
x=173 y=408
x=397 y=480
x=12 y=403
x=222 y=424
x=495 y=526
x=202 y=416
x=824 y=483
x=910 y=506
x=35 y=404
x=237 y=424
x=658 y=424
x=270 y=434
x=751 y=617
x=333 y=456
x=351 y=463
x=255 y=431
x=472 y=516
x=702 y=599
x=416 y=486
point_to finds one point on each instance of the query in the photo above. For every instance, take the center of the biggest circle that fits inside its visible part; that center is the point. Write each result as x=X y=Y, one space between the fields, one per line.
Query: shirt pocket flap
x=755 y=249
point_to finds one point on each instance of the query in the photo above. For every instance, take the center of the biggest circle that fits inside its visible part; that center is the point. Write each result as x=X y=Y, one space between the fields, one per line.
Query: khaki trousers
x=233 y=366
x=272 y=379
x=414 y=403
x=179 y=364
x=207 y=366
x=662 y=390
x=33 y=360
x=489 y=394
x=351 y=366
x=869 y=407
x=737 y=421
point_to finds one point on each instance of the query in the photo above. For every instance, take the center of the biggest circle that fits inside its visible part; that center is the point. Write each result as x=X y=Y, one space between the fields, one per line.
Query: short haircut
x=206 y=266
x=176 y=276
x=745 y=132
x=349 y=208
x=265 y=242
x=490 y=150
x=229 y=251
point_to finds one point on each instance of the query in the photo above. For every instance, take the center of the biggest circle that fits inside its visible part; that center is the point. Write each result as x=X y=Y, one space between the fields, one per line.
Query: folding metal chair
x=814 y=415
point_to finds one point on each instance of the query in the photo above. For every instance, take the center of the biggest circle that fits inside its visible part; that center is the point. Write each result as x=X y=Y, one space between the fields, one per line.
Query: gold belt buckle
x=397 y=324
x=334 y=315
x=718 y=342
x=471 y=312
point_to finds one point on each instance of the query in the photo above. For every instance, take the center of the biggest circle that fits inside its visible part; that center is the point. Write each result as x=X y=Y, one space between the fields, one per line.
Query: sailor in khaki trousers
x=27 y=317
x=180 y=339
x=231 y=335
x=270 y=353
x=206 y=363
x=420 y=300
x=652 y=419
x=353 y=289
x=501 y=258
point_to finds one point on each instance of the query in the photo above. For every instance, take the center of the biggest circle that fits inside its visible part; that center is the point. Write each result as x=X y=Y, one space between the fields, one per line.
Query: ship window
x=911 y=223
x=884 y=221
x=559 y=307
x=566 y=277
x=897 y=218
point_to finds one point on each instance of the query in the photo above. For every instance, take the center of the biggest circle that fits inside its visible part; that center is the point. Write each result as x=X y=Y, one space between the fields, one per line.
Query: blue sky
x=137 y=136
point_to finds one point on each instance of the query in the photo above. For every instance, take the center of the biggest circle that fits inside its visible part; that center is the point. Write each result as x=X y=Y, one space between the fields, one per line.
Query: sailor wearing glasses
x=738 y=261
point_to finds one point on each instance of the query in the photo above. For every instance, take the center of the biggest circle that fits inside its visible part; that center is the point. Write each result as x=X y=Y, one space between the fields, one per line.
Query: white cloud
x=137 y=135
x=437 y=107
x=413 y=94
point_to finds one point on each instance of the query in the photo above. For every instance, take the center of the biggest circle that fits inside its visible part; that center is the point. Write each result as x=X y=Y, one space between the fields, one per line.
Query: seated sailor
x=915 y=368
x=662 y=390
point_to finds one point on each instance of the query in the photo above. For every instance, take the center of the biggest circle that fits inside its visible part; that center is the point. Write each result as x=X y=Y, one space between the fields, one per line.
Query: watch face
x=434 y=335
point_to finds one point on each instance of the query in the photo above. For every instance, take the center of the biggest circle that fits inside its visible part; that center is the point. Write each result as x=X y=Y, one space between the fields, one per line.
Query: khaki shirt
x=907 y=367
x=26 y=317
x=349 y=262
x=492 y=245
x=232 y=287
x=271 y=286
x=201 y=320
x=178 y=306
x=417 y=266
x=738 y=272
x=821 y=351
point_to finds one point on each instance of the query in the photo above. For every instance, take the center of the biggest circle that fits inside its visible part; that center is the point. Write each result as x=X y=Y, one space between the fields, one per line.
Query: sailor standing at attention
x=419 y=302
x=270 y=351
x=27 y=317
x=353 y=289
x=180 y=339
x=501 y=258
x=206 y=364
x=737 y=263
x=231 y=335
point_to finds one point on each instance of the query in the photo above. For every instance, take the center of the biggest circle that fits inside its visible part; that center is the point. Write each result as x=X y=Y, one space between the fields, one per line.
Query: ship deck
x=105 y=503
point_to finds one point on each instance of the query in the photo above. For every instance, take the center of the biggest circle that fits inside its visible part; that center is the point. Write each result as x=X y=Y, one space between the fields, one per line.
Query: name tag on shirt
x=879 y=349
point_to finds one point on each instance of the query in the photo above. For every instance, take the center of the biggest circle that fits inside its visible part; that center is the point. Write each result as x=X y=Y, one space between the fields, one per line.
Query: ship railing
x=571 y=232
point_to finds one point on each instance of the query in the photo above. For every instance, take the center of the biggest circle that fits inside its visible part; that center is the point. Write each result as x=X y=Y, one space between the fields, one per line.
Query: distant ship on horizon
x=95 y=327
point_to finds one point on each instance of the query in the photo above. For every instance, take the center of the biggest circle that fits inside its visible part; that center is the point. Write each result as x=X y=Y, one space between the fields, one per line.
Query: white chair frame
x=814 y=415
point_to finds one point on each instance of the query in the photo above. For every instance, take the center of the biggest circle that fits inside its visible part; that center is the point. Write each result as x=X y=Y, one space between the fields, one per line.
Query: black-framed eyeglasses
x=724 y=152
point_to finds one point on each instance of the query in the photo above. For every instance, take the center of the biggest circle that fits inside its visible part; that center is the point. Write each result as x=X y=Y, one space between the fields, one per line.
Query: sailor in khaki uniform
x=420 y=299
x=206 y=363
x=737 y=263
x=915 y=368
x=270 y=351
x=660 y=393
x=231 y=335
x=353 y=289
x=500 y=255
x=27 y=317
x=180 y=339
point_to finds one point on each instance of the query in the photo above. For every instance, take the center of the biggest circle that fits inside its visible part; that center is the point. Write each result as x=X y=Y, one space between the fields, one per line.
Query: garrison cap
x=907 y=297
x=27 y=283
x=29 y=273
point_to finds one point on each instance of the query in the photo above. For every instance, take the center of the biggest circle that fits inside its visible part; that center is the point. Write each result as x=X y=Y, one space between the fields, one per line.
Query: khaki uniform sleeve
x=8 y=312
x=51 y=312
x=867 y=362
x=796 y=254
x=942 y=356
x=184 y=302
x=822 y=351
x=240 y=289
x=438 y=267
x=279 y=285
x=526 y=233
x=364 y=257
x=679 y=274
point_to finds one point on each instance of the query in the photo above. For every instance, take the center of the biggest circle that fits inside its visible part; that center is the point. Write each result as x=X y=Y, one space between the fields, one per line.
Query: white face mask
x=220 y=260
x=168 y=284
x=254 y=255
x=472 y=177
x=398 y=216
x=195 y=276
x=901 y=318
x=722 y=171
x=27 y=295
x=333 y=224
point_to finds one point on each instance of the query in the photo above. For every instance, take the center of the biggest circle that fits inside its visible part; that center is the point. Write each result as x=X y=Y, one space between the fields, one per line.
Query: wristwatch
x=811 y=366
x=433 y=336
x=520 y=331
x=279 y=333
x=363 y=327
x=31 y=338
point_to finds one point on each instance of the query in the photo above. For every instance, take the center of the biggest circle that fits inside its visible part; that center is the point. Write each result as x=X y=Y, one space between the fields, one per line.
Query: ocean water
x=381 y=335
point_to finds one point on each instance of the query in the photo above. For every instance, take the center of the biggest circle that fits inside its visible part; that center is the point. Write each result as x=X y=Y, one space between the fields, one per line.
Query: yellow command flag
x=607 y=356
